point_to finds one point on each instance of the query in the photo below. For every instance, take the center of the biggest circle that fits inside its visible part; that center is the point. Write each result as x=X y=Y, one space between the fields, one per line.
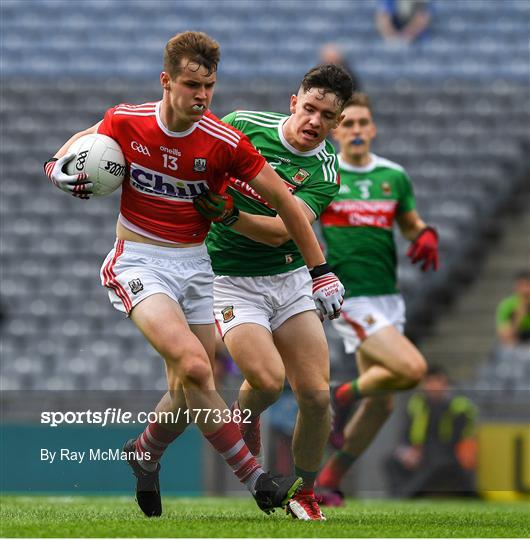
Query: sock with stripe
x=335 y=469
x=308 y=479
x=154 y=440
x=347 y=393
x=228 y=442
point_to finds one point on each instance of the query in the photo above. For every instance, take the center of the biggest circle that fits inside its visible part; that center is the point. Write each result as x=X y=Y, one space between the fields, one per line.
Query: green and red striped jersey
x=358 y=225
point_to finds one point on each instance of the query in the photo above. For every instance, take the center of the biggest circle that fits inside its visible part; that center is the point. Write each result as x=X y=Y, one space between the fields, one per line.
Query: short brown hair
x=197 y=47
x=359 y=99
x=329 y=78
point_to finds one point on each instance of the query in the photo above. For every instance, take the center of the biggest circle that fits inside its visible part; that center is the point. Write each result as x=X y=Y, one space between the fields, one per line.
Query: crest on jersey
x=199 y=164
x=136 y=285
x=387 y=190
x=301 y=176
x=369 y=320
x=228 y=314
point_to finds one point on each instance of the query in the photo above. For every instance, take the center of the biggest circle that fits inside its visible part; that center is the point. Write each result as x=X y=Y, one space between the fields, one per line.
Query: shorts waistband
x=161 y=252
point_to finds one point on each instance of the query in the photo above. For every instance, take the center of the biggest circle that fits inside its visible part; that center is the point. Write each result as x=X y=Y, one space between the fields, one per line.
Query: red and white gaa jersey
x=167 y=170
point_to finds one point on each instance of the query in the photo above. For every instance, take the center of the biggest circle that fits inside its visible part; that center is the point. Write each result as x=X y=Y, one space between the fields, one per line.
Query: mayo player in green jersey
x=358 y=230
x=264 y=300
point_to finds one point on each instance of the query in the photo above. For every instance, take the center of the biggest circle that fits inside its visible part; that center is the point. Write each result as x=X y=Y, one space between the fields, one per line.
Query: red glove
x=425 y=248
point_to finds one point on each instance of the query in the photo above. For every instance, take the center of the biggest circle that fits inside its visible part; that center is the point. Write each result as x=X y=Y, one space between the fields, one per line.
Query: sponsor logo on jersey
x=165 y=186
x=136 y=285
x=300 y=176
x=369 y=320
x=282 y=159
x=172 y=151
x=386 y=188
x=137 y=147
x=249 y=192
x=228 y=314
x=199 y=164
x=357 y=213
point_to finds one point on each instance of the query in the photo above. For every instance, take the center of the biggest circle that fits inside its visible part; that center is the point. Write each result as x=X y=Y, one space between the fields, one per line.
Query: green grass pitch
x=41 y=516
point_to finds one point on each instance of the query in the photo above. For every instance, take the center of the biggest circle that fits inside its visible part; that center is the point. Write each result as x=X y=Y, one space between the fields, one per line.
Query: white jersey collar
x=351 y=168
x=291 y=148
x=167 y=131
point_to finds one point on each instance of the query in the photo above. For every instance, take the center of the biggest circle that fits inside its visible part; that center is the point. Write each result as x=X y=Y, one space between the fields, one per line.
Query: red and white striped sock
x=228 y=442
x=154 y=440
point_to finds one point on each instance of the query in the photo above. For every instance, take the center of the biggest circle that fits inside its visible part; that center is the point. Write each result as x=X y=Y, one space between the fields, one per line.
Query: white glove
x=328 y=291
x=74 y=184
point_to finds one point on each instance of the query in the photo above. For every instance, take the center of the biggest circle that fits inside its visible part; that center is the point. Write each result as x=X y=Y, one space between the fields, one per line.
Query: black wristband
x=232 y=218
x=48 y=161
x=320 y=270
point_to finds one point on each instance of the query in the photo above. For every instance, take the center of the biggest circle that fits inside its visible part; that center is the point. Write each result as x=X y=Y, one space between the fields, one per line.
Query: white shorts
x=134 y=271
x=265 y=300
x=363 y=316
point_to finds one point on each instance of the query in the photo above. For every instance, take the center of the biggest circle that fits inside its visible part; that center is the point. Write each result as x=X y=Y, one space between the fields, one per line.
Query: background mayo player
x=357 y=227
x=159 y=272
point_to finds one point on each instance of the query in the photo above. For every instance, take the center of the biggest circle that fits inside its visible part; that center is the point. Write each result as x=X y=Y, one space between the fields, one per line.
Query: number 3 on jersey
x=170 y=162
x=364 y=188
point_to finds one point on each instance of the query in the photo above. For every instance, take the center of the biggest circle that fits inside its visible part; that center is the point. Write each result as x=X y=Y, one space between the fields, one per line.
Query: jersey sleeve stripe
x=324 y=167
x=328 y=166
x=328 y=160
x=333 y=168
x=220 y=129
x=130 y=113
x=263 y=115
x=262 y=123
x=216 y=135
x=147 y=106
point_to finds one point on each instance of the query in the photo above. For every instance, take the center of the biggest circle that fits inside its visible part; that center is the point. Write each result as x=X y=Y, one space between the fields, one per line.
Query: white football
x=102 y=159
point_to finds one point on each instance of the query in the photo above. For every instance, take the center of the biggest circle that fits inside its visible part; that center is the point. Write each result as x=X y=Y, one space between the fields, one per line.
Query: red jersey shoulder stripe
x=146 y=109
x=150 y=104
x=218 y=126
x=217 y=135
x=130 y=113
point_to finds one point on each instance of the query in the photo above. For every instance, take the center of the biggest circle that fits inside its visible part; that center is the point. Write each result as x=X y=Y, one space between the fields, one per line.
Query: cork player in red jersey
x=159 y=272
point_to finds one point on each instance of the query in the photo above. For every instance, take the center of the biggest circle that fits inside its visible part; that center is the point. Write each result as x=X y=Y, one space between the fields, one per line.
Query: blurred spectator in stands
x=403 y=21
x=513 y=313
x=331 y=53
x=437 y=454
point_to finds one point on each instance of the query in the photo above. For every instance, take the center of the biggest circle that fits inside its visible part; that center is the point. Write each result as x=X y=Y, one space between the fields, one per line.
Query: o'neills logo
x=165 y=186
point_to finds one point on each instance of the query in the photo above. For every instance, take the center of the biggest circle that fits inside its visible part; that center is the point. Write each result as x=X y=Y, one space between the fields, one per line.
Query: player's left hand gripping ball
x=328 y=291
x=217 y=207
x=425 y=248
x=74 y=184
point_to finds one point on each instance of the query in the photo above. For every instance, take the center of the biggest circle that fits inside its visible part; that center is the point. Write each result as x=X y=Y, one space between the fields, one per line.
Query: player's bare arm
x=89 y=131
x=410 y=224
x=267 y=229
x=270 y=186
